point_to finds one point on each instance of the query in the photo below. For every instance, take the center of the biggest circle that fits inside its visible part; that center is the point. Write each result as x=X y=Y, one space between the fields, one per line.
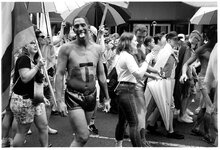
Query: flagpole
x=47 y=77
x=45 y=18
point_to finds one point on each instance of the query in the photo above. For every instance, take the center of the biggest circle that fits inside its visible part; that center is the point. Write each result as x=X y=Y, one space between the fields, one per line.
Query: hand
x=47 y=102
x=183 y=78
x=102 y=29
x=157 y=78
x=107 y=105
x=62 y=109
x=41 y=62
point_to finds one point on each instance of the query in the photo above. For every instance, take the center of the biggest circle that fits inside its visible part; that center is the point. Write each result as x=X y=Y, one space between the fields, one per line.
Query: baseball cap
x=172 y=35
x=94 y=30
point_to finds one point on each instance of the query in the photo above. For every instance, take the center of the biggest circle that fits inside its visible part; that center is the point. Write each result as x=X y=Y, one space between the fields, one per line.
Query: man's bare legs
x=79 y=122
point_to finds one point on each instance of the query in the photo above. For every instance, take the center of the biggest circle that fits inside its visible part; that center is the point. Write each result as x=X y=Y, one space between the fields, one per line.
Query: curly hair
x=125 y=42
x=141 y=28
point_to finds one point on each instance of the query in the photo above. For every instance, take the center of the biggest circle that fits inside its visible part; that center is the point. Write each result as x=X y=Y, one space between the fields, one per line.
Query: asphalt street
x=106 y=123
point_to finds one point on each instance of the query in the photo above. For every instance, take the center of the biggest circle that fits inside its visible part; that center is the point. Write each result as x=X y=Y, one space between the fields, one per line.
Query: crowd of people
x=90 y=68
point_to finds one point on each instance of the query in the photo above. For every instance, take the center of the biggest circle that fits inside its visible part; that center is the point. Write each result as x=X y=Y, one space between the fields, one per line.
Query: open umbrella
x=161 y=91
x=95 y=12
x=205 y=16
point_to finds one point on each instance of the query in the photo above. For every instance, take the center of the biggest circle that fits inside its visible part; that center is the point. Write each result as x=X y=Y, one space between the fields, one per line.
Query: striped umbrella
x=99 y=13
x=205 y=16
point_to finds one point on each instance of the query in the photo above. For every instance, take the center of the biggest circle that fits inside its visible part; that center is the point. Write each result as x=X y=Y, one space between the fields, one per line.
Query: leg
x=41 y=123
x=91 y=117
x=19 y=138
x=7 y=123
x=121 y=125
x=79 y=124
x=127 y=103
x=47 y=94
x=6 y=126
x=141 y=107
x=150 y=108
x=141 y=113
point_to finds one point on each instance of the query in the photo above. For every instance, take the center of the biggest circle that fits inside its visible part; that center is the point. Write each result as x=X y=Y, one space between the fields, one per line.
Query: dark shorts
x=188 y=88
x=77 y=100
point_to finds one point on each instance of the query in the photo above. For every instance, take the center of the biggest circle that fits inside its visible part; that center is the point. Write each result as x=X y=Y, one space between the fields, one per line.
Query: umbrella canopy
x=41 y=7
x=162 y=91
x=200 y=17
x=94 y=12
x=205 y=19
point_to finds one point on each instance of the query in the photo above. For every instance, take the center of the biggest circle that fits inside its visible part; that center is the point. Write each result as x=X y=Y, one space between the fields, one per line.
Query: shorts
x=188 y=88
x=201 y=83
x=76 y=100
x=23 y=109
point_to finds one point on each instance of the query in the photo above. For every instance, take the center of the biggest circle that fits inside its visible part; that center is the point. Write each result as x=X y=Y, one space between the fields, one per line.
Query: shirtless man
x=81 y=59
x=202 y=53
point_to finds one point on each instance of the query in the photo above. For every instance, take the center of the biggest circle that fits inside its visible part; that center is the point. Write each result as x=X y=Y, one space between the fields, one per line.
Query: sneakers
x=52 y=131
x=175 y=135
x=185 y=118
x=93 y=129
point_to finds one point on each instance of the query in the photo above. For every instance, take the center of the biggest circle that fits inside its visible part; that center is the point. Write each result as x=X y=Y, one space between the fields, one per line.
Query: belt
x=85 y=93
x=127 y=83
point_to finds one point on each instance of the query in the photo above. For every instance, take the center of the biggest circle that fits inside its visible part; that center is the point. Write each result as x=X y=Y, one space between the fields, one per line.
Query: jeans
x=127 y=112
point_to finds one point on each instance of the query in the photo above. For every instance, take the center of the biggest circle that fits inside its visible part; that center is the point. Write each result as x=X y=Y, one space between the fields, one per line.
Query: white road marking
x=151 y=142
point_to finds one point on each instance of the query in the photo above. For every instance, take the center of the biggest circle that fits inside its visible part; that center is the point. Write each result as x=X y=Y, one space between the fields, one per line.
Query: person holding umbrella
x=81 y=58
x=166 y=61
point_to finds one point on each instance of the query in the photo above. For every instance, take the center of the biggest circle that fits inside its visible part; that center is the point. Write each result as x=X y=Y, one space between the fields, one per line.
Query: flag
x=45 y=26
x=17 y=31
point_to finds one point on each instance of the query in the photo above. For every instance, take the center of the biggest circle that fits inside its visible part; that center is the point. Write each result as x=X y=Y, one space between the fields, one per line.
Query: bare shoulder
x=96 y=47
x=67 y=47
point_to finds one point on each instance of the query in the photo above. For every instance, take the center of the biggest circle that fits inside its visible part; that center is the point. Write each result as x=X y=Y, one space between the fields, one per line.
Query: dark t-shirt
x=22 y=88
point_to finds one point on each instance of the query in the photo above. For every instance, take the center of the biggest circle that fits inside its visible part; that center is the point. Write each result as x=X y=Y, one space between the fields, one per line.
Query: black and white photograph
x=86 y=73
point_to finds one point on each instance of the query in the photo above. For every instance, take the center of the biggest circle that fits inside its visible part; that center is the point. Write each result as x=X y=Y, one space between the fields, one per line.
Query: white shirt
x=125 y=66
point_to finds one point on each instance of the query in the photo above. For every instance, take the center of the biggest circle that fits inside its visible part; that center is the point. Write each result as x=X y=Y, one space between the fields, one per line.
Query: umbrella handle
x=104 y=14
